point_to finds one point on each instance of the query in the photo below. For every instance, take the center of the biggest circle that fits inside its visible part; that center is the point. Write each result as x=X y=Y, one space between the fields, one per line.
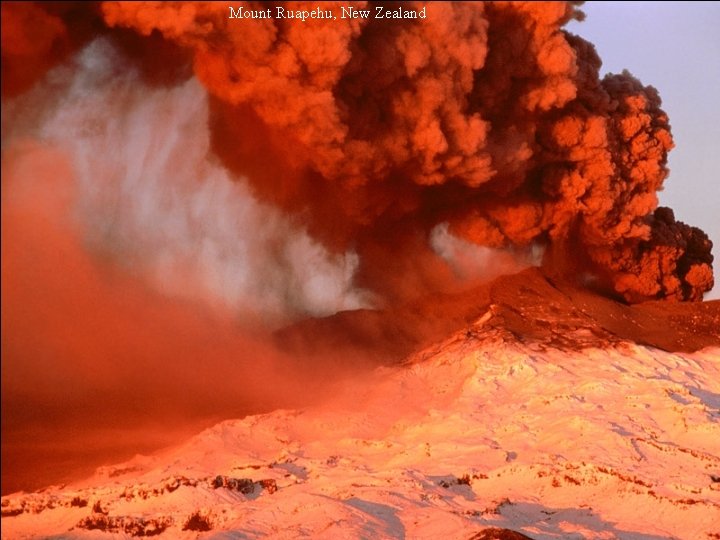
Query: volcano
x=345 y=276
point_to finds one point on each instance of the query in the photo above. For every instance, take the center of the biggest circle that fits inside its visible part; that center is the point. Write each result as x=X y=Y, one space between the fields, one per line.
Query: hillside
x=541 y=416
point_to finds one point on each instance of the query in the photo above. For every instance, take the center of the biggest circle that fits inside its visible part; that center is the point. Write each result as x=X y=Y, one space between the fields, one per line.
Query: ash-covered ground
x=530 y=306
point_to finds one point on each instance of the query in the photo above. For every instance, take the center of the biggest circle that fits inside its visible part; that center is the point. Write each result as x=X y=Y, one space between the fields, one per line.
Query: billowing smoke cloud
x=32 y=41
x=38 y=36
x=487 y=116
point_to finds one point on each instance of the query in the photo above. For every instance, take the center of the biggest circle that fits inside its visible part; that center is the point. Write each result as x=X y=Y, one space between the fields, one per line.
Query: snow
x=481 y=430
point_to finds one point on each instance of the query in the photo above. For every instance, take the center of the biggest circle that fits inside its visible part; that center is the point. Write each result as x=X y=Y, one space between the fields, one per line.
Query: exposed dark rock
x=197 y=522
x=79 y=502
x=134 y=526
x=268 y=485
x=494 y=533
x=12 y=512
x=245 y=486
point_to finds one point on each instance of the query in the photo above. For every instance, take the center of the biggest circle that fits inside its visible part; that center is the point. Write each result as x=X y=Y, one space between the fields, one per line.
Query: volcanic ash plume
x=487 y=116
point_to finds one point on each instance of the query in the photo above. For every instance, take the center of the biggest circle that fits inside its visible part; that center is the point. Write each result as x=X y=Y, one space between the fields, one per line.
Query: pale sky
x=675 y=47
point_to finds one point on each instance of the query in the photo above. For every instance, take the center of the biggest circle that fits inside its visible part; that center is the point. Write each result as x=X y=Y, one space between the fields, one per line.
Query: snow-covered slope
x=478 y=431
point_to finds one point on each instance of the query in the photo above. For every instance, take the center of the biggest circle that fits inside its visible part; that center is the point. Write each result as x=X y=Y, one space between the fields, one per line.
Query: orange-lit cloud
x=487 y=116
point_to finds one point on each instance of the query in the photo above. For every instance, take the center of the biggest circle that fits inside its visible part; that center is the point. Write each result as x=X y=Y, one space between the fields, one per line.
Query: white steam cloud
x=471 y=262
x=151 y=198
